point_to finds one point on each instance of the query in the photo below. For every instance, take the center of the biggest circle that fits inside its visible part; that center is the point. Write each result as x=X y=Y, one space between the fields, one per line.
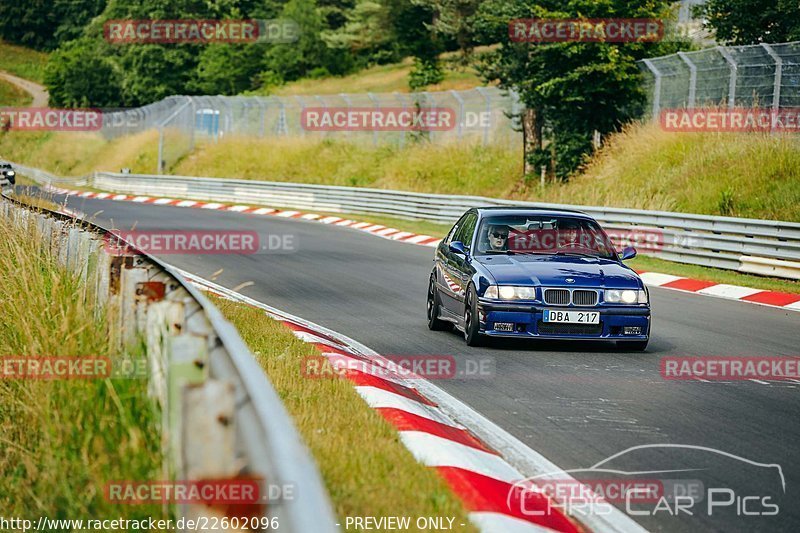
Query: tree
x=367 y=33
x=453 y=20
x=570 y=89
x=78 y=76
x=413 y=29
x=753 y=21
x=44 y=25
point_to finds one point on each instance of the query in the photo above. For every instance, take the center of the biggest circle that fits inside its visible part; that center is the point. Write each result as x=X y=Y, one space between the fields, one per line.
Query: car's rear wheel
x=434 y=322
x=633 y=346
x=472 y=325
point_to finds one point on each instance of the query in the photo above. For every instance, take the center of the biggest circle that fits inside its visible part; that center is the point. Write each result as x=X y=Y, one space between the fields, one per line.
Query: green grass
x=382 y=79
x=13 y=96
x=63 y=440
x=365 y=467
x=379 y=79
x=23 y=62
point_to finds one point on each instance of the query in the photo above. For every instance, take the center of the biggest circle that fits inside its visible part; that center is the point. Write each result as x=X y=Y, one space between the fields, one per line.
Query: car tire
x=434 y=322
x=472 y=334
x=633 y=346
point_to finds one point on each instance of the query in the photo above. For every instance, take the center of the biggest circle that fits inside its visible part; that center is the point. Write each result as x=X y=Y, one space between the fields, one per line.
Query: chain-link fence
x=484 y=114
x=764 y=75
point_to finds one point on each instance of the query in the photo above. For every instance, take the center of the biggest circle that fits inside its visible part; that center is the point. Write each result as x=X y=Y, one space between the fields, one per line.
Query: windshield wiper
x=577 y=254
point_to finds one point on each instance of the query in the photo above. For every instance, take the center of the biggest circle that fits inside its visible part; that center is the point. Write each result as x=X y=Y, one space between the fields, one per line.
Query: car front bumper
x=527 y=322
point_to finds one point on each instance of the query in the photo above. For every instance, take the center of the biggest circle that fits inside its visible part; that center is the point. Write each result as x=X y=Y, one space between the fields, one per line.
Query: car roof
x=541 y=211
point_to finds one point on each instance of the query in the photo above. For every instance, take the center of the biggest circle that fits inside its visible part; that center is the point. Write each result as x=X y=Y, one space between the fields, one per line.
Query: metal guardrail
x=765 y=247
x=222 y=419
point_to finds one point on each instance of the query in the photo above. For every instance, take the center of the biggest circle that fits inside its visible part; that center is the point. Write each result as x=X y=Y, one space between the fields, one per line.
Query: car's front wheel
x=434 y=322
x=472 y=334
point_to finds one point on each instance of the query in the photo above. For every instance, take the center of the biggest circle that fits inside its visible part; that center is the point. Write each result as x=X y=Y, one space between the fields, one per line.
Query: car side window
x=467 y=229
x=453 y=232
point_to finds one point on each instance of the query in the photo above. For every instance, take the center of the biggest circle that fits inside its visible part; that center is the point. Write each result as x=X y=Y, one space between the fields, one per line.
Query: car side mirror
x=457 y=247
x=628 y=253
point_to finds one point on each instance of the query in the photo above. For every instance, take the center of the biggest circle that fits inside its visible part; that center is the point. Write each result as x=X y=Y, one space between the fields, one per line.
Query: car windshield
x=544 y=235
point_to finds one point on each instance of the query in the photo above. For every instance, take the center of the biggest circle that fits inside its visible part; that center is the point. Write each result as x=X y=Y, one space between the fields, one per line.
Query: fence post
x=263 y=107
x=734 y=70
x=192 y=123
x=283 y=127
x=302 y=108
x=377 y=107
x=692 y=78
x=160 y=150
x=656 y=87
x=460 y=111
x=349 y=103
x=488 y=98
x=399 y=96
x=776 y=91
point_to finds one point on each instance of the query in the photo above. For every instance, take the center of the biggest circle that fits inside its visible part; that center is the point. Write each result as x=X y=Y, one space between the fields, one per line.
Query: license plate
x=504 y=326
x=571 y=317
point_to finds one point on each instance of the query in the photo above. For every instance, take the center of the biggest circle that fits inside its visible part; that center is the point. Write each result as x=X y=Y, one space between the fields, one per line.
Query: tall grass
x=365 y=467
x=13 y=96
x=62 y=441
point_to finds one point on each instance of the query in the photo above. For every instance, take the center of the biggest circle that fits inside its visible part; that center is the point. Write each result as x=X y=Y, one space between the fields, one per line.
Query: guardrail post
x=187 y=360
x=209 y=437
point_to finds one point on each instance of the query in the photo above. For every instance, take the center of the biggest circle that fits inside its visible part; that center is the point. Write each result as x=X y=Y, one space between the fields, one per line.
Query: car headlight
x=616 y=296
x=510 y=292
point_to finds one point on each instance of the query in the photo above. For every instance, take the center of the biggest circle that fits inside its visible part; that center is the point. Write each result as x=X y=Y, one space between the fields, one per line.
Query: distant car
x=535 y=273
x=7 y=174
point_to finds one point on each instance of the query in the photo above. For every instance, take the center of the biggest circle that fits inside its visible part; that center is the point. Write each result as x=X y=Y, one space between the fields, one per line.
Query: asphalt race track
x=576 y=403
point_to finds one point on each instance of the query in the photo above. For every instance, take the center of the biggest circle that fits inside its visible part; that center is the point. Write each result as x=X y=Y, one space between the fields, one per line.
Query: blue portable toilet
x=207 y=120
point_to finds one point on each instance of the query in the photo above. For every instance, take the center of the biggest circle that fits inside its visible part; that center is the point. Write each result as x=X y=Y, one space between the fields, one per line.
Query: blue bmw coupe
x=536 y=273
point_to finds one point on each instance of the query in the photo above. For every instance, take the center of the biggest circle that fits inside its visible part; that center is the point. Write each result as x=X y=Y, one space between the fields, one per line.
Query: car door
x=459 y=269
x=444 y=274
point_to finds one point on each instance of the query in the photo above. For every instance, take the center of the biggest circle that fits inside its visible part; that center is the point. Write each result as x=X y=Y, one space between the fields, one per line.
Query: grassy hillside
x=13 y=96
x=748 y=175
x=76 y=154
x=23 y=62
x=380 y=79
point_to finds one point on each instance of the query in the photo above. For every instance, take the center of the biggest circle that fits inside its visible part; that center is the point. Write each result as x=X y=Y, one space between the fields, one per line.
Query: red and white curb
x=368 y=227
x=781 y=300
x=439 y=431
